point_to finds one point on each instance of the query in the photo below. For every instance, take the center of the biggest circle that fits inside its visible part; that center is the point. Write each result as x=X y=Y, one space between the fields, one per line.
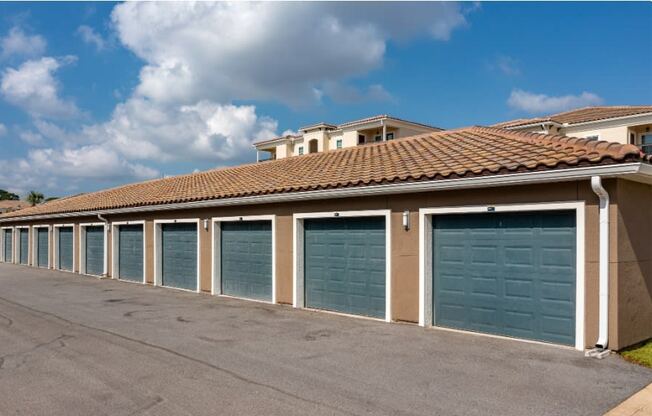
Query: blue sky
x=94 y=95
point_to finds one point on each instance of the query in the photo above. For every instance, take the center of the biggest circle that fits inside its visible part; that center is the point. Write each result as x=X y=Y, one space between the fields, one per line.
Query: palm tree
x=35 y=198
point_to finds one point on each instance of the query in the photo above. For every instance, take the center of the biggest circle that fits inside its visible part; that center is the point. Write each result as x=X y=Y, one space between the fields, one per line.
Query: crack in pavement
x=180 y=355
x=154 y=402
x=60 y=339
x=10 y=321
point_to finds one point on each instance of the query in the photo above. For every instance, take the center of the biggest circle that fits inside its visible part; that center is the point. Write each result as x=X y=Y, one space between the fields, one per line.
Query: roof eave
x=537 y=124
x=636 y=171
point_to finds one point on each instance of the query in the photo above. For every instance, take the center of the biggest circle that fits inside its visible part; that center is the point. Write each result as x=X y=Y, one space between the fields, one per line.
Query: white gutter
x=600 y=350
x=509 y=179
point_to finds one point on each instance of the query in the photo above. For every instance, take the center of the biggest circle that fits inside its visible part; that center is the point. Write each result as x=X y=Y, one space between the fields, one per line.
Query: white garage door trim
x=425 y=254
x=55 y=240
x=34 y=244
x=298 y=276
x=82 y=248
x=17 y=244
x=115 y=250
x=2 y=244
x=216 y=278
x=158 y=254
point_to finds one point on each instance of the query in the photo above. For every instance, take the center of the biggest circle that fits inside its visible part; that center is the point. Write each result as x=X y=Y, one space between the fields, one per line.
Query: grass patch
x=639 y=354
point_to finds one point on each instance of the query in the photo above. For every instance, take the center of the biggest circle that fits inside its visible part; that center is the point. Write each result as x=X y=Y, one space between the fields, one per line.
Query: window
x=390 y=136
x=646 y=143
x=378 y=138
x=361 y=139
x=338 y=143
x=593 y=137
x=300 y=150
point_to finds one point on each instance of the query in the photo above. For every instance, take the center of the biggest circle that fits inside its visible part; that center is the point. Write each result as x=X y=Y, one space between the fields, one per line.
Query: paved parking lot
x=74 y=345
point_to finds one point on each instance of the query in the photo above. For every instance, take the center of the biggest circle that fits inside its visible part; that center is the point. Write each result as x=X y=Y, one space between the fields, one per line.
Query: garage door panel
x=179 y=251
x=65 y=248
x=345 y=265
x=246 y=259
x=24 y=245
x=95 y=250
x=130 y=252
x=506 y=273
x=42 y=247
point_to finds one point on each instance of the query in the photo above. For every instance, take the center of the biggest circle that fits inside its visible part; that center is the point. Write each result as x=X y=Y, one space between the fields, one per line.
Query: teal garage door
x=42 y=247
x=130 y=252
x=95 y=250
x=179 y=250
x=24 y=245
x=246 y=256
x=8 y=245
x=509 y=274
x=65 y=246
x=345 y=267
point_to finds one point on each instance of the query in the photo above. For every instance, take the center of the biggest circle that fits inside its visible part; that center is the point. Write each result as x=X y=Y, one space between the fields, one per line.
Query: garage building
x=480 y=230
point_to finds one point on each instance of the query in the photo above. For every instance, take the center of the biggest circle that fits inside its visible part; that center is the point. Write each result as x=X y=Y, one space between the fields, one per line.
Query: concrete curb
x=640 y=404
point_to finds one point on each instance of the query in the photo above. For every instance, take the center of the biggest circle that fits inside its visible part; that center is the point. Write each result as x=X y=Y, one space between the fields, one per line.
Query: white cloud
x=17 y=43
x=206 y=131
x=33 y=88
x=198 y=59
x=87 y=162
x=50 y=169
x=32 y=138
x=541 y=103
x=3 y=129
x=91 y=37
x=507 y=65
x=266 y=51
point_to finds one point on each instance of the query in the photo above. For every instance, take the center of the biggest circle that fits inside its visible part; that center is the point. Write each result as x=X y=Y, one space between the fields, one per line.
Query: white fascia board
x=633 y=171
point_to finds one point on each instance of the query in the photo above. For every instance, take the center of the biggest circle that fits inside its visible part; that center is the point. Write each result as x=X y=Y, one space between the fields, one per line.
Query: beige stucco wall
x=405 y=132
x=319 y=135
x=282 y=151
x=617 y=134
x=631 y=255
x=633 y=263
x=333 y=137
x=349 y=138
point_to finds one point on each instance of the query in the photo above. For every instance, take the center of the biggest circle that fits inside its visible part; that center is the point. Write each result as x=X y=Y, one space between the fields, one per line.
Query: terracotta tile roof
x=473 y=151
x=12 y=205
x=582 y=115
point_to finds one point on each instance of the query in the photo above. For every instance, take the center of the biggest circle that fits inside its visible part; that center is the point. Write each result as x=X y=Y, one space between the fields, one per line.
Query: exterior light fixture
x=205 y=224
x=406 y=220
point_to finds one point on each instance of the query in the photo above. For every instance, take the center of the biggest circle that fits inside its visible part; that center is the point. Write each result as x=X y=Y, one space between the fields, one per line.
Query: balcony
x=375 y=135
x=265 y=155
x=641 y=136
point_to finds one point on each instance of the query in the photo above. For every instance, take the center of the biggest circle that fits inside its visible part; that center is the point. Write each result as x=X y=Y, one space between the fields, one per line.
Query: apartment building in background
x=323 y=137
x=620 y=124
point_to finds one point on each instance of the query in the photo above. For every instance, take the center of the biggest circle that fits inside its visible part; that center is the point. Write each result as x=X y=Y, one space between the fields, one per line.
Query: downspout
x=107 y=230
x=600 y=350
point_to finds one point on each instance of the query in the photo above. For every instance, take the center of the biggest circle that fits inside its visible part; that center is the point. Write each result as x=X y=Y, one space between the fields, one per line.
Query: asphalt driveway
x=74 y=345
